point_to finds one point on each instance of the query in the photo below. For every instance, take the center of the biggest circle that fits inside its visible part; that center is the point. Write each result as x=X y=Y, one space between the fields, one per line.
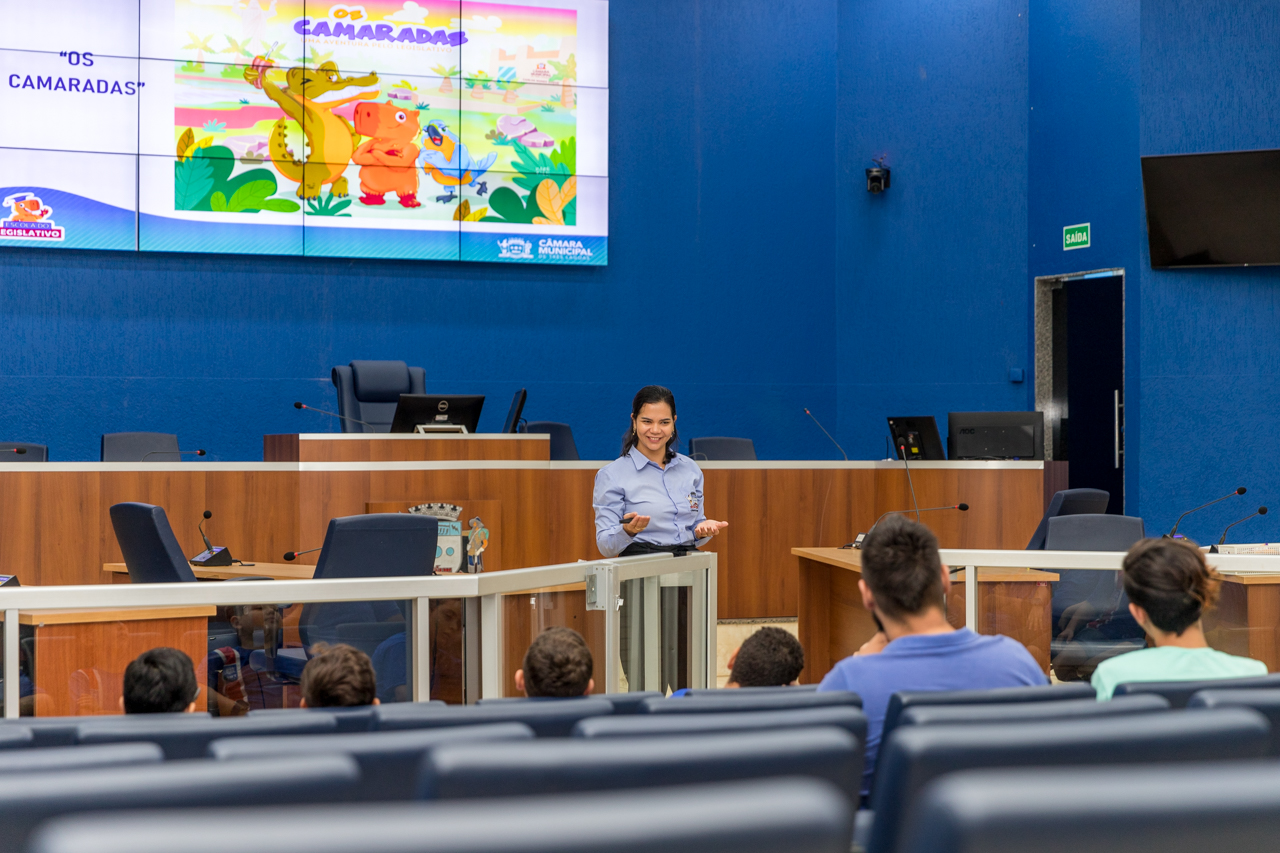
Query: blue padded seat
x=770 y=816
x=916 y=755
x=1069 y=502
x=846 y=717
x=61 y=731
x=140 y=447
x=719 y=691
x=350 y=720
x=547 y=719
x=1180 y=692
x=369 y=391
x=151 y=551
x=389 y=761
x=29 y=799
x=729 y=701
x=623 y=703
x=191 y=738
x=1030 y=712
x=35 y=452
x=79 y=757
x=720 y=449
x=16 y=737
x=904 y=699
x=475 y=770
x=563 y=448
x=1265 y=702
x=1169 y=809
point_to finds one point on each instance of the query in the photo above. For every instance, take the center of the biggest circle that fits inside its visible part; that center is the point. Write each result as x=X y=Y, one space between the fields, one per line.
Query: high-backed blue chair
x=29 y=799
x=904 y=699
x=190 y=738
x=370 y=390
x=563 y=448
x=916 y=755
x=845 y=717
x=16 y=737
x=623 y=703
x=377 y=545
x=482 y=770
x=151 y=551
x=730 y=701
x=719 y=449
x=34 y=452
x=79 y=757
x=61 y=731
x=140 y=447
x=1030 y=712
x=1179 y=693
x=547 y=719
x=351 y=720
x=1226 y=806
x=1069 y=502
x=767 y=816
x=1264 y=701
x=389 y=761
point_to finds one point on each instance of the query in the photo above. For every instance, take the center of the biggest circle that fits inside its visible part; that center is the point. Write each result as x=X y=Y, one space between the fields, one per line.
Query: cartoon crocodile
x=309 y=98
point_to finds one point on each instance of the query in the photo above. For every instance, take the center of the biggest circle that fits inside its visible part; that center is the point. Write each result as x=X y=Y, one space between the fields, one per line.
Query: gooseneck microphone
x=213 y=556
x=290 y=556
x=1173 y=532
x=208 y=546
x=1262 y=510
x=18 y=450
x=333 y=414
x=828 y=435
x=902 y=448
x=856 y=544
x=150 y=452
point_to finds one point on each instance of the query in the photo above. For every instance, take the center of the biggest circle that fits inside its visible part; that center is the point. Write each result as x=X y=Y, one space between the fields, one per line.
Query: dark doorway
x=1085 y=421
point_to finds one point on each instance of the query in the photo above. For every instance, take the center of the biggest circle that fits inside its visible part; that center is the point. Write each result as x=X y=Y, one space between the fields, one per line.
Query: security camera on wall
x=878 y=177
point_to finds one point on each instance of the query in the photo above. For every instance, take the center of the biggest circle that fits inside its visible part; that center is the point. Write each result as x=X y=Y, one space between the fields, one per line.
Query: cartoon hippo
x=387 y=157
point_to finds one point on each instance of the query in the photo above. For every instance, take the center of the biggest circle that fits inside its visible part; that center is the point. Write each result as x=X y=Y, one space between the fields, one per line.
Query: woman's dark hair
x=651 y=394
x=1170 y=580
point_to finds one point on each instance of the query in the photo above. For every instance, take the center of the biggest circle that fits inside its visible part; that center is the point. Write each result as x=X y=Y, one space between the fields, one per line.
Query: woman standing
x=650 y=498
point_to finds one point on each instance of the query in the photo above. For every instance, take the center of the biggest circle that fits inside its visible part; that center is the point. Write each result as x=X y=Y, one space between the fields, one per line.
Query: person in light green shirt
x=1169 y=587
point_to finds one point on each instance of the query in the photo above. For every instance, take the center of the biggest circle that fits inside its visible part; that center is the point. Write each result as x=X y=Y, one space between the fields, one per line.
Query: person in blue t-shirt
x=904 y=584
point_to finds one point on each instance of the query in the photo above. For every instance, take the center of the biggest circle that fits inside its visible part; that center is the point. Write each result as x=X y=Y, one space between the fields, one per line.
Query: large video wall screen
x=474 y=131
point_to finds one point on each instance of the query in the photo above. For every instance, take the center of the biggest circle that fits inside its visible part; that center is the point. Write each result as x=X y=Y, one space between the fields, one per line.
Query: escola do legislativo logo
x=29 y=219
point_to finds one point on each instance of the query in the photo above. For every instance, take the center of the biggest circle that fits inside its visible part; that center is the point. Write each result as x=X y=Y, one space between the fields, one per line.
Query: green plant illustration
x=544 y=177
x=328 y=206
x=203 y=181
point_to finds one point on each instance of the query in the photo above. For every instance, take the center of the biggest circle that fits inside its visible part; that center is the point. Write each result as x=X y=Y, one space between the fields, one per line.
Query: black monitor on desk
x=995 y=435
x=918 y=437
x=438 y=413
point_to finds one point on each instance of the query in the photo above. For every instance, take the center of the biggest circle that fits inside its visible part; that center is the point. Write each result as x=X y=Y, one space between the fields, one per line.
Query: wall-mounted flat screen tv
x=1213 y=210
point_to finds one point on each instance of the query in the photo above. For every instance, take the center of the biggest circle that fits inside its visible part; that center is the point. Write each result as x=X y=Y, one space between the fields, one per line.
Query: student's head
x=653 y=422
x=558 y=663
x=161 y=681
x=338 y=676
x=771 y=657
x=255 y=624
x=1171 y=583
x=901 y=568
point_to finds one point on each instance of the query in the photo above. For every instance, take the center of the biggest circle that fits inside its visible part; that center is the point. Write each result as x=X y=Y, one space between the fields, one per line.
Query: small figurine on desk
x=476 y=543
x=449 y=539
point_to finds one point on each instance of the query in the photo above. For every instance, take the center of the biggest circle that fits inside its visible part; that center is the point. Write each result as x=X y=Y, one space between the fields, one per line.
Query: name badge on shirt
x=693 y=501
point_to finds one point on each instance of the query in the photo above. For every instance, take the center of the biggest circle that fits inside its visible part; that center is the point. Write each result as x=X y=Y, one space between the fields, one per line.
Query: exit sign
x=1075 y=237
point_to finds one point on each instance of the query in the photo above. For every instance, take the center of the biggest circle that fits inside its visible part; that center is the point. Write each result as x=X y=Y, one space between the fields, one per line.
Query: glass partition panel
x=659 y=643
x=527 y=614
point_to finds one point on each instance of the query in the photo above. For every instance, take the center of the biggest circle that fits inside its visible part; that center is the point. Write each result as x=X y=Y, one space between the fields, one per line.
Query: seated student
x=1169 y=587
x=160 y=681
x=771 y=657
x=557 y=664
x=338 y=676
x=904 y=585
x=235 y=686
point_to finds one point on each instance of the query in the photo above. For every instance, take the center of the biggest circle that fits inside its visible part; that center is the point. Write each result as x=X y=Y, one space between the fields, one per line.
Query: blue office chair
x=1179 y=693
x=34 y=452
x=767 y=816
x=61 y=731
x=1264 y=701
x=389 y=761
x=370 y=390
x=547 y=719
x=916 y=755
x=190 y=736
x=1030 y=712
x=140 y=447
x=151 y=551
x=563 y=448
x=1069 y=502
x=845 y=717
x=717 y=449
x=623 y=703
x=725 y=702
x=63 y=758
x=902 y=700
x=377 y=545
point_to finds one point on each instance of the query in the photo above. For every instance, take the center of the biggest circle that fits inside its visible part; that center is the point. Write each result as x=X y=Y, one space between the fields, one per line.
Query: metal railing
x=602 y=577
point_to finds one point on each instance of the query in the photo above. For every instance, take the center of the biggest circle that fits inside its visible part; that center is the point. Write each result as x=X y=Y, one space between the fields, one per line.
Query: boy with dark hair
x=558 y=663
x=771 y=657
x=237 y=688
x=160 y=681
x=904 y=584
x=338 y=676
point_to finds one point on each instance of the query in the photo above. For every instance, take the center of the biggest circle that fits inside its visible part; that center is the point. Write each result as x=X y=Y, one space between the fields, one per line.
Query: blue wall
x=719 y=285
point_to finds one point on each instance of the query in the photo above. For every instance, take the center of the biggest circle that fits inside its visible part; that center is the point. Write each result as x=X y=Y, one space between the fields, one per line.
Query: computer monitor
x=437 y=412
x=512 y=423
x=918 y=436
x=995 y=435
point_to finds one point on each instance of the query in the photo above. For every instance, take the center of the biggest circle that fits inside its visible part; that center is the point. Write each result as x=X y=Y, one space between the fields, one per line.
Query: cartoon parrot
x=449 y=163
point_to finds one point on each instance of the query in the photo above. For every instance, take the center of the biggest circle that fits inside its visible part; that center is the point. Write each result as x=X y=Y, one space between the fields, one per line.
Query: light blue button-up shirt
x=671 y=497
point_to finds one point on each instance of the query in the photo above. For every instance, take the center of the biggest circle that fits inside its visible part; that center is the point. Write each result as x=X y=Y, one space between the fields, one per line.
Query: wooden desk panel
x=359 y=447
x=1246 y=620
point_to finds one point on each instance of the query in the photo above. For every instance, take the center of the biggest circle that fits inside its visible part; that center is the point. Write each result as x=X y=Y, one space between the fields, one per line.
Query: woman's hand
x=632 y=524
x=709 y=528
